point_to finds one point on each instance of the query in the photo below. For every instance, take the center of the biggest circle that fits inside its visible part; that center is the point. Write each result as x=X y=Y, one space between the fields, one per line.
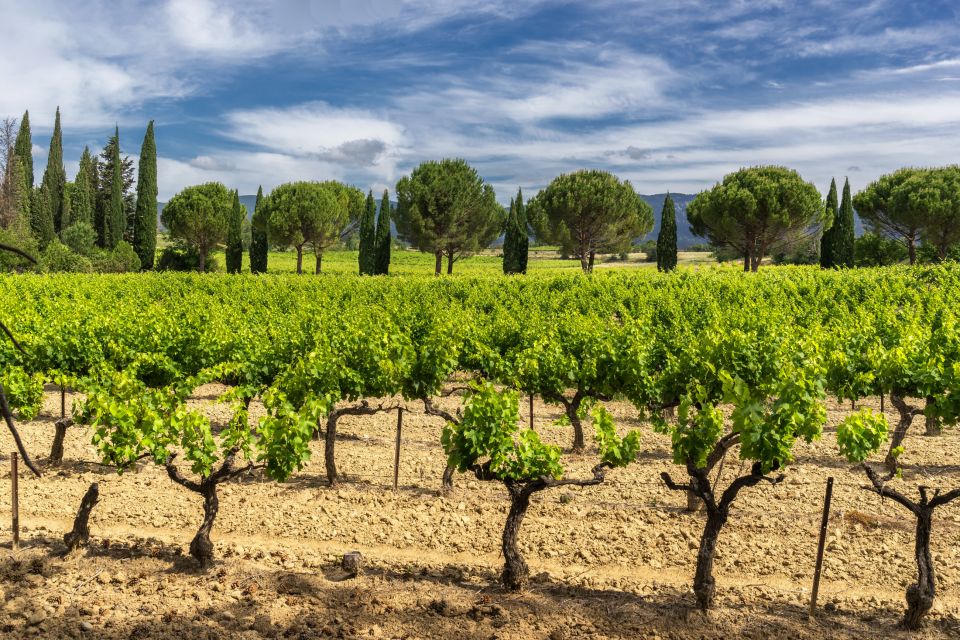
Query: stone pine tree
x=145 y=218
x=55 y=176
x=258 y=237
x=117 y=217
x=234 y=252
x=845 y=238
x=828 y=243
x=383 y=238
x=667 y=238
x=368 y=257
x=23 y=149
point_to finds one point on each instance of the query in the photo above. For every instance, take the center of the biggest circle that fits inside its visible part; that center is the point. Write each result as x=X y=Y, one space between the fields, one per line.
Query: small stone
x=36 y=617
x=352 y=563
x=86 y=627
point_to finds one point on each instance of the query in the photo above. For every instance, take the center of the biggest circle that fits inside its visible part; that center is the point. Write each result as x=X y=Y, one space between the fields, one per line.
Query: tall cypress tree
x=510 y=242
x=828 y=244
x=145 y=218
x=383 y=238
x=844 y=239
x=55 y=176
x=368 y=240
x=667 y=238
x=105 y=183
x=258 y=237
x=23 y=149
x=234 y=257
x=41 y=223
x=84 y=190
x=117 y=217
x=522 y=246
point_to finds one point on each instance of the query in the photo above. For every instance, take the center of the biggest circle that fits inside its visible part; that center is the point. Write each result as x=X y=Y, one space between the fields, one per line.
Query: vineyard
x=574 y=453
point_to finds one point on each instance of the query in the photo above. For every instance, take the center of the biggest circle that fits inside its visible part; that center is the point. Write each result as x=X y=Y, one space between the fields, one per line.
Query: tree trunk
x=694 y=502
x=446 y=486
x=746 y=262
x=56 y=450
x=329 y=448
x=906 y=419
x=515 y=571
x=912 y=250
x=593 y=256
x=299 y=261
x=585 y=263
x=80 y=534
x=450 y=263
x=438 y=263
x=319 y=264
x=755 y=263
x=571 y=408
x=201 y=547
x=920 y=595
x=203 y=261
x=704 y=585
x=934 y=427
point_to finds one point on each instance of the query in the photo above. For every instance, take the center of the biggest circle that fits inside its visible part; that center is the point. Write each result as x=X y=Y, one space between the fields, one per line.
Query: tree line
x=445 y=208
x=98 y=221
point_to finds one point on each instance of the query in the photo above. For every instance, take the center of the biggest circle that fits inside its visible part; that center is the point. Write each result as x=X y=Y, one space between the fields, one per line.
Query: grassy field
x=414 y=262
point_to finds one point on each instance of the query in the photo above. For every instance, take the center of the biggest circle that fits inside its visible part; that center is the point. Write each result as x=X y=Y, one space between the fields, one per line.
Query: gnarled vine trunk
x=446 y=485
x=201 y=547
x=920 y=595
x=329 y=448
x=515 y=573
x=60 y=434
x=704 y=586
x=933 y=424
x=907 y=414
x=80 y=534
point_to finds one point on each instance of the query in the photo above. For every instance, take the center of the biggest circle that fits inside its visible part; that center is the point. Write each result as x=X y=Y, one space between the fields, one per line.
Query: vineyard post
x=396 y=455
x=63 y=399
x=531 y=411
x=15 y=501
x=882 y=408
x=823 y=539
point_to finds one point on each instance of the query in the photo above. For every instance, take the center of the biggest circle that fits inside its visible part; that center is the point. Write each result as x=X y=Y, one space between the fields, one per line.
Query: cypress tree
x=41 y=224
x=844 y=239
x=55 y=176
x=368 y=240
x=117 y=217
x=667 y=238
x=104 y=172
x=234 y=255
x=509 y=241
x=145 y=218
x=23 y=149
x=84 y=190
x=522 y=246
x=258 y=238
x=383 y=238
x=828 y=244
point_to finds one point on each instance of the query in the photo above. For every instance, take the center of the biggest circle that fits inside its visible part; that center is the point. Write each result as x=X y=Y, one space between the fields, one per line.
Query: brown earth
x=614 y=561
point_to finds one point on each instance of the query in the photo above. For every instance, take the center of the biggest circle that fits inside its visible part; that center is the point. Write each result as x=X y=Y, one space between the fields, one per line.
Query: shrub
x=122 y=259
x=81 y=238
x=179 y=257
x=58 y=257
x=875 y=250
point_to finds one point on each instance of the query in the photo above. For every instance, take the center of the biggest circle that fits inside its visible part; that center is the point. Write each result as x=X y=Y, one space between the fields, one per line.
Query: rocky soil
x=614 y=561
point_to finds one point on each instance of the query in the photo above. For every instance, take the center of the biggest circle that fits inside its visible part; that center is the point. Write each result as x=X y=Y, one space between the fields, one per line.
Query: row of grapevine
x=745 y=363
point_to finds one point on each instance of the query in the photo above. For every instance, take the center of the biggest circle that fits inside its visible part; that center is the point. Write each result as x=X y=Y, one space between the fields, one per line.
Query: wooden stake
x=823 y=540
x=396 y=456
x=63 y=400
x=882 y=409
x=15 y=500
x=531 y=412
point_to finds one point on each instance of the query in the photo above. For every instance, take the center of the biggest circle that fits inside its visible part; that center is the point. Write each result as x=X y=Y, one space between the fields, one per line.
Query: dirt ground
x=613 y=561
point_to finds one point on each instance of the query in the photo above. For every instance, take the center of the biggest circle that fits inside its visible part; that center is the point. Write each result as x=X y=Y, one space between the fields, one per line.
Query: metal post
x=823 y=540
x=396 y=457
x=15 y=500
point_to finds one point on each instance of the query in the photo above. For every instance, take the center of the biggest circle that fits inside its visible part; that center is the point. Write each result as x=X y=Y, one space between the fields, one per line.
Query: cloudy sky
x=671 y=95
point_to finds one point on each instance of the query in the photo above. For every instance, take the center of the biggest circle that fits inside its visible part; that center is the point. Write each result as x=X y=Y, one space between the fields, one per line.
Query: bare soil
x=614 y=561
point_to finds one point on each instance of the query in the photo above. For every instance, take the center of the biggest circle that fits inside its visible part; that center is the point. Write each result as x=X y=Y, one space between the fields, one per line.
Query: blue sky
x=671 y=95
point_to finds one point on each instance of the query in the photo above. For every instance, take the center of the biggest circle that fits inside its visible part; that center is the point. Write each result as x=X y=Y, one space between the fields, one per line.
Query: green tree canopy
x=23 y=149
x=829 y=240
x=516 y=240
x=83 y=199
x=590 y=211
x=234 y=252
x=912 y=204
x=445 y=208
x=199 y=215
x=756 y=211
x=55 y=176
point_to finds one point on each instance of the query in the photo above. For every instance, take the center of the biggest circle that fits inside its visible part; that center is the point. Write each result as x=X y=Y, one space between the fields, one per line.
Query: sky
x=670 y=95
